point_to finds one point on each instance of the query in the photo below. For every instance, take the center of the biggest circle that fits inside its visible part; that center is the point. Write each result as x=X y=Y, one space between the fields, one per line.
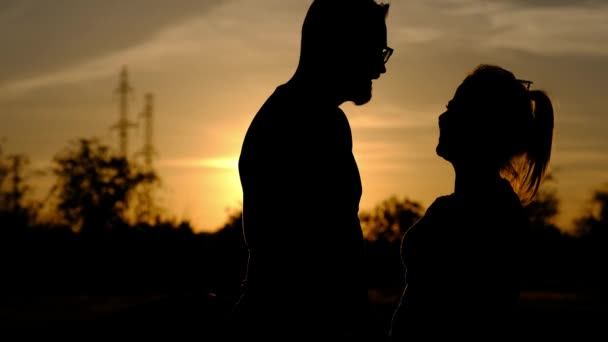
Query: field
x=189 y=315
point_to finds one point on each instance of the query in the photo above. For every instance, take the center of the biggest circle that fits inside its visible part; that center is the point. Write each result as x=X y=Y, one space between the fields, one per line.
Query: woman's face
x=484 y=123
x=461 y=130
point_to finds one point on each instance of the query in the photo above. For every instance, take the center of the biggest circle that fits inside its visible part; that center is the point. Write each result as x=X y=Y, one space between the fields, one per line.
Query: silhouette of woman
x=462 y=257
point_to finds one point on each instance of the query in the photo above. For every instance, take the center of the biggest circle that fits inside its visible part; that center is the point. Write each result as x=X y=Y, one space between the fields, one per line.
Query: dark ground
x=190 y=316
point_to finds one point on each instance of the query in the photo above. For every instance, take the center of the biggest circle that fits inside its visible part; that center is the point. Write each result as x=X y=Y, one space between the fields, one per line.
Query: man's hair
x=332 y=25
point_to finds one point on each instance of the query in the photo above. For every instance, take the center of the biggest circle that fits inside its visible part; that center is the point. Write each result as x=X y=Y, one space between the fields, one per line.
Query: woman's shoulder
x=510 y=200
x=439 y=209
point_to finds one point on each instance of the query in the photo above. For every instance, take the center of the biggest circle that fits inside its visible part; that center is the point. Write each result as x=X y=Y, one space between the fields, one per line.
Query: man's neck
x=311 y=84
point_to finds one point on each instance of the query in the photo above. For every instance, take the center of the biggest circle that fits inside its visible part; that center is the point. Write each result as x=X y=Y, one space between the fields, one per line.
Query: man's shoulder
x=281 y=107
x=273 y=123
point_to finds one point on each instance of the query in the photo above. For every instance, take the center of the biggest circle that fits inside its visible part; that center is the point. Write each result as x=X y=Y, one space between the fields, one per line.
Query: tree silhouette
x=383 y=228
x=390 y=219
x=15 y=211
x=551 y=256
x=4 y=173
x=94 y=187
x=592 y=229
x=594 y=224
x=544 y=208
x=229 y=261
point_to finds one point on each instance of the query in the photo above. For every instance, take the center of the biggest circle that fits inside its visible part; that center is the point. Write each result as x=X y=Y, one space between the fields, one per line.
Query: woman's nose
x=442 y=119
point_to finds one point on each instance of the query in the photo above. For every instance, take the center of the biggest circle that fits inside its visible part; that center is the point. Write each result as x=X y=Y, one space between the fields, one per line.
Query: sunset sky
x=211 y=65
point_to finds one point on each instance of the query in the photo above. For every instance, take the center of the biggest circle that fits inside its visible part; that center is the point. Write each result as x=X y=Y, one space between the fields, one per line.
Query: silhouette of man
x=301 y=185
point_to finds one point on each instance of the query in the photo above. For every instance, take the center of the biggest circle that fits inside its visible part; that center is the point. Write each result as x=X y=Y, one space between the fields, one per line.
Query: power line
x=124 y=90
x=148 y=150
x=148 y=153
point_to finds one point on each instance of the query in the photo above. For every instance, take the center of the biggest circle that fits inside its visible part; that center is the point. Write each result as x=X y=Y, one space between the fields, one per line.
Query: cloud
x=236 y=35
x=556 y=3
x=414 y=35
x=46 y=36
x=546 y=28
x=386 y=116
x=567 y=30
x=227 y=163
x=169 y=43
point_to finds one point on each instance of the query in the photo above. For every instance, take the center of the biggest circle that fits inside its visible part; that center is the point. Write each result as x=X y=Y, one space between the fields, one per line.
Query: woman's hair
x=519 y=125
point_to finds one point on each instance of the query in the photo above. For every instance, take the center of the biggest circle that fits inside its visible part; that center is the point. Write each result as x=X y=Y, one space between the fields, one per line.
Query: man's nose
x=382 y=68
x=379 y=71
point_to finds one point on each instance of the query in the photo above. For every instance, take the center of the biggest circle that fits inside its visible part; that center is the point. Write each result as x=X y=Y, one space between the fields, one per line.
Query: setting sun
x=211 y=65
x=122 y=124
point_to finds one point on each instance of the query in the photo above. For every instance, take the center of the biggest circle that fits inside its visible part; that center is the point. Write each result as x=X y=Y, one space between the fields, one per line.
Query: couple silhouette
x=301 y=191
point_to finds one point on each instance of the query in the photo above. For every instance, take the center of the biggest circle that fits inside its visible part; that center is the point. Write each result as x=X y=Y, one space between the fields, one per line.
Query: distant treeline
x=98 y=233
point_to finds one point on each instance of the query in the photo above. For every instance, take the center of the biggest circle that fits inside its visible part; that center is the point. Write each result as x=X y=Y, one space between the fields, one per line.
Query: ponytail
x=540 y=142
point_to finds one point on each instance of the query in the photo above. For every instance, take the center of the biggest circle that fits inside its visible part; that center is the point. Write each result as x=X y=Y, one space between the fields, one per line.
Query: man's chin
x=362 y=99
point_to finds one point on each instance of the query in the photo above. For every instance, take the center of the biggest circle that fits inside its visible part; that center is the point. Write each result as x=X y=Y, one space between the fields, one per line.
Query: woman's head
x=495 y=123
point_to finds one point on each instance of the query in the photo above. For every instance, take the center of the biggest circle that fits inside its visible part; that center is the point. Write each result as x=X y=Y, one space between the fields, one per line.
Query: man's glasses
x=387 y=52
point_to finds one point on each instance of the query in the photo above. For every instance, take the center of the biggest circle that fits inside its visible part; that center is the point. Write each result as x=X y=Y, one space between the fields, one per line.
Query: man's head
x=344 y=44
